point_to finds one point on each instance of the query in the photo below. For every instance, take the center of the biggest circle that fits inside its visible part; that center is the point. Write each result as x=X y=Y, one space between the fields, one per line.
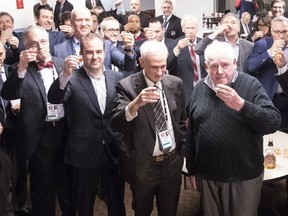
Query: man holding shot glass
x=40 y=128
x=81 y=22
x=230 y=113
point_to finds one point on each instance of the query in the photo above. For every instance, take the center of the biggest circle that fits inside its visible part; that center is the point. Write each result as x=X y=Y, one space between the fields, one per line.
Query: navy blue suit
x=12 y=55
x=55 y=37
x=261 y=65
x=112 y=55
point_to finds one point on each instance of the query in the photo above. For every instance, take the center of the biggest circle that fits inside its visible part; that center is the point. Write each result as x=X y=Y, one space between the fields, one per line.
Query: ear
x=142 y=62
x=35 y=20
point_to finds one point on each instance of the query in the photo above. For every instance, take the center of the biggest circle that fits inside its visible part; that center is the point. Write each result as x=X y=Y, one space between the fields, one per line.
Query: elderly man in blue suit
x=260 y=64
x=81 y=22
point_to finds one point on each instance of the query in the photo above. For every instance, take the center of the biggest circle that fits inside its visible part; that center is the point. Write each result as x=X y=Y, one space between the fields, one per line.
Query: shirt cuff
x=21 y=74
x=63 y=80
x=282 y=70
x=128 y=116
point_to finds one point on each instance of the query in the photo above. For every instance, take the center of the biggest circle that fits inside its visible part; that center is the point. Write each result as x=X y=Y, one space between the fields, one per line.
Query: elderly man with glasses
x=260 y=64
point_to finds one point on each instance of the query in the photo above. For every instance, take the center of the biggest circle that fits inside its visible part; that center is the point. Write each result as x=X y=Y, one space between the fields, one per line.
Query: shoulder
x=245 y=43
x=117 y=75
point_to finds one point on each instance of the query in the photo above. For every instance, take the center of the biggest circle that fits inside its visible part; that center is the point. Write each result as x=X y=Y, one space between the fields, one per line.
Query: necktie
x=93 y=3
x=194 y=62
x=42 y=65
x=160 y=121
x=165 y=22
x=60 y=11
x=247 y=29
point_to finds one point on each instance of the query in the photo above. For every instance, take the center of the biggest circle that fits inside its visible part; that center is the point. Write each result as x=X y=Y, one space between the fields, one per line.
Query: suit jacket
x=139 y=134
x=182 y=68
x=245 y=48
x=88 y=128
x=55 y=37
x=260 y=65
x=112 y=55
x=12 y=55
x=250 y=27
x=33 y=110
x=283 y=81
x=144 y=18
x=174 y=29
x=66 y=7
x=89 y=5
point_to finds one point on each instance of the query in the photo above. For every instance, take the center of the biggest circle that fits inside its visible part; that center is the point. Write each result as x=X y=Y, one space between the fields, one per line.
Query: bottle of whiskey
x=270 y=156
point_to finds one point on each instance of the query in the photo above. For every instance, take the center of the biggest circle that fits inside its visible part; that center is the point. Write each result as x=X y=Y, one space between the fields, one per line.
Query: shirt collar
x=150 y=83
x=91 y=75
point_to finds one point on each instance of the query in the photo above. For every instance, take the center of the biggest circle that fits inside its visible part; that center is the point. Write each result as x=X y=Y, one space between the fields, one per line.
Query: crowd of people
x=91 y=99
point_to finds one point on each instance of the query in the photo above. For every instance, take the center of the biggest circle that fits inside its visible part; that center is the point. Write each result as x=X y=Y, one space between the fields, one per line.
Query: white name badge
x=165 y=139
x=55 y=111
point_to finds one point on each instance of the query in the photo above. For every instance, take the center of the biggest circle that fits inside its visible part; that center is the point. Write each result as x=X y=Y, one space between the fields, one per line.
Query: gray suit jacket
x=139 y=134
x=245 y=48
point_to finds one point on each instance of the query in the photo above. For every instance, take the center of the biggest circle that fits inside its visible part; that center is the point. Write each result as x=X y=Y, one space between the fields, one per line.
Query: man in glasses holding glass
x=260 y=64
x=230 y=112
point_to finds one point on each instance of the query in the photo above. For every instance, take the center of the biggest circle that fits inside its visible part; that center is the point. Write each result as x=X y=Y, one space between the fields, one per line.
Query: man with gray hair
x=260 y=64
x=171 y=23
x=187 y=64
x=230 y=113
x=150 y=111
x=41 y=124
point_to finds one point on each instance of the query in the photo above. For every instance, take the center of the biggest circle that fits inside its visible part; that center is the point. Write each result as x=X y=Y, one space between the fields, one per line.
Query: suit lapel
x=110 y=88
x=88 y=86
x=148 y=109
x=169 y=94
x=35 y=74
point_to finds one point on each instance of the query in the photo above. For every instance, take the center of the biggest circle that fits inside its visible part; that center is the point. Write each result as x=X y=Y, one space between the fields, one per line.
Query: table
x=280 y=140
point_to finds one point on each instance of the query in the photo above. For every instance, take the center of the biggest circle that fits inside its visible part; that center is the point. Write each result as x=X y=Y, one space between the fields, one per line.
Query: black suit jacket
x=33 y=110
x=89 y=5
x=283 y=81
x=12 y=55
x=184 y=70
x=174 y=29
x=89 y=129
x=139 y=134
x=66 y=7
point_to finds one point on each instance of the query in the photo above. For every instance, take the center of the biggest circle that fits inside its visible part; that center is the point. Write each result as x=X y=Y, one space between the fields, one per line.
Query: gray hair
x=33 y=28
x=279 y=19
x=188 y=18
x=105 y=22
x=153 y=48
x=219 y=50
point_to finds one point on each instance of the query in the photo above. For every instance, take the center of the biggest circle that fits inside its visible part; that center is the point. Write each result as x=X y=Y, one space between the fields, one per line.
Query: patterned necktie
x=42 y=65
x=165 y=23
x=194 y=63
x=160 y=121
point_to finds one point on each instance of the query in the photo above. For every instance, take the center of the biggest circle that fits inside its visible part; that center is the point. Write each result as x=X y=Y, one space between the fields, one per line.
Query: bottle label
x=270 y=161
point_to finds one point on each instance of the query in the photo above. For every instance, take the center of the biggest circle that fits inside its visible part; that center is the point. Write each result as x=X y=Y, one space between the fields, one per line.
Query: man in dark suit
x=282 y=73
x=125 y=61
x=171 y=23
x=44 y=18
x=91 y=143
x=149 y=170
x=184 y=66
x=40 y=123
x=11 y=40
x=42 y=2
x=260 y=64
x=134 y=8
x=246 y=25
x=60 y=7
x=90 y=4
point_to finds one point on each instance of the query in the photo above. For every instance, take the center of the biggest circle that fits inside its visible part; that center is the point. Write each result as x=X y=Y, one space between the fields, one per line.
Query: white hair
x=188 y=18
x=219 y=50
x=154 y=48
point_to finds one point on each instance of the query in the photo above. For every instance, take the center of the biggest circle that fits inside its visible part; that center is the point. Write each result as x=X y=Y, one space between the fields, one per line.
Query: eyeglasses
x=111 y=30
x=280 y=32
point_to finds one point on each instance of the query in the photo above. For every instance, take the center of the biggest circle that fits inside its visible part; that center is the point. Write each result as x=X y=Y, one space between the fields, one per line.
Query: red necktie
x=194 y=63
x=42 y=65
